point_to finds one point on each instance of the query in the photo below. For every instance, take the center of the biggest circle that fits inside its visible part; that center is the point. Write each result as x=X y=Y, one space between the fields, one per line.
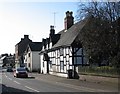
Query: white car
x=20 y=72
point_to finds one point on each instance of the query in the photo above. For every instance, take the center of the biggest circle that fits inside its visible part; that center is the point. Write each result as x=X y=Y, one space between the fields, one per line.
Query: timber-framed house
x=63 y=51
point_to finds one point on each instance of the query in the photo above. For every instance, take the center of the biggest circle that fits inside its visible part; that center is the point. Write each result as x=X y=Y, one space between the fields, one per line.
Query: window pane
x=61 y=65
x=77 y=60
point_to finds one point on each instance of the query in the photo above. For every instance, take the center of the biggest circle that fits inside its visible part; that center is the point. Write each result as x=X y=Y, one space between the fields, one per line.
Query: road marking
x=9 y=78
x=32 y=89
x=20 y=79
x=16 y=82
x=6 y=76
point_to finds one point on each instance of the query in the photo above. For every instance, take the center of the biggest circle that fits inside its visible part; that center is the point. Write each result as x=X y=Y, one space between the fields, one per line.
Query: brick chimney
x=52 y=30
x=69 y=20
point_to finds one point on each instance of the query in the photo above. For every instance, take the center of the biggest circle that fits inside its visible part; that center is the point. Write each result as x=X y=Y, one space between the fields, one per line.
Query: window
x=61 y=65
x=78 y=60
x=78 y=51
x=81 y=61
x=53 y=60
x=61 y=51
x=50 y=64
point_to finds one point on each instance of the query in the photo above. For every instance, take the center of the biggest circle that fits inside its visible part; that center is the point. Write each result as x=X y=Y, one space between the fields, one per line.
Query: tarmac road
x=48 y=83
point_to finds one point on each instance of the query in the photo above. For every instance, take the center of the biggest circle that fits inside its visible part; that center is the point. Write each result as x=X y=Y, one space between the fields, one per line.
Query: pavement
x=99 y=79
x=105 y=83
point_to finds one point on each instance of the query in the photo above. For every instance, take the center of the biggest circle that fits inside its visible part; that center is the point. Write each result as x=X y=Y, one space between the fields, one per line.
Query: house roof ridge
x=70 y=35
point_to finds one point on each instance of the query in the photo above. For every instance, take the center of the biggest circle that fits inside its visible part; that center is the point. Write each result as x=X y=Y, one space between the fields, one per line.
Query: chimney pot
x=26 y=36
x=51 y=27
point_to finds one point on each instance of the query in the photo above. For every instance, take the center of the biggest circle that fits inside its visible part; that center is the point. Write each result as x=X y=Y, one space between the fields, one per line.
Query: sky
x=30 y=18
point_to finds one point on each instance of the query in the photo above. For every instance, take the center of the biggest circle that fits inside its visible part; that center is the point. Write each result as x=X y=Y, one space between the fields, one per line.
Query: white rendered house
x=32 y=60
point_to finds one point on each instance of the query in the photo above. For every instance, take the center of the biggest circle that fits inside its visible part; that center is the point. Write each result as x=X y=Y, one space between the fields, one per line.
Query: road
x=32 y=84
x=12 y=84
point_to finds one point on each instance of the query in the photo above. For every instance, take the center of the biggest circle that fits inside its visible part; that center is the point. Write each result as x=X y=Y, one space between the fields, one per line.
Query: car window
x=9 y=67
x=21 y=69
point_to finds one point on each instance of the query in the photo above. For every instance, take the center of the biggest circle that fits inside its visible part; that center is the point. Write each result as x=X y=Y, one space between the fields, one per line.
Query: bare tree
x=104 y=43
x=105 y=10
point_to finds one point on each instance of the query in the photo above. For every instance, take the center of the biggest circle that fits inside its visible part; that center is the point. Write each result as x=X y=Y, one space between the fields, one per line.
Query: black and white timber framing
x=63 y=51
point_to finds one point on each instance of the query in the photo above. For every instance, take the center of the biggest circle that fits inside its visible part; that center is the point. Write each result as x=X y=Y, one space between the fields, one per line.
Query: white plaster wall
x=43 y=65
x=35 y=61
x=25 y=60
x=29 y=61
x=54 y=68
x=41 y=62
x=44 y=69
x=50 y=45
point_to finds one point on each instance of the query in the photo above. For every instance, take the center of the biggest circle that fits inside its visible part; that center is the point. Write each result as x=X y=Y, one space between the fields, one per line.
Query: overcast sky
x=31 y=18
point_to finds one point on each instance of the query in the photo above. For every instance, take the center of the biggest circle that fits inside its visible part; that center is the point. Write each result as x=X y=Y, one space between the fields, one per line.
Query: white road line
x=20 y=79
x=32 y=89
x=6 y=76
x=17 y=82
x=9 y=78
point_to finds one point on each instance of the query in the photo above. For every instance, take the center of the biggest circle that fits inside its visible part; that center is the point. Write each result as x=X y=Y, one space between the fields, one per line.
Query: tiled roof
x=55 y=38
x=35 y=46
x=68 y=36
